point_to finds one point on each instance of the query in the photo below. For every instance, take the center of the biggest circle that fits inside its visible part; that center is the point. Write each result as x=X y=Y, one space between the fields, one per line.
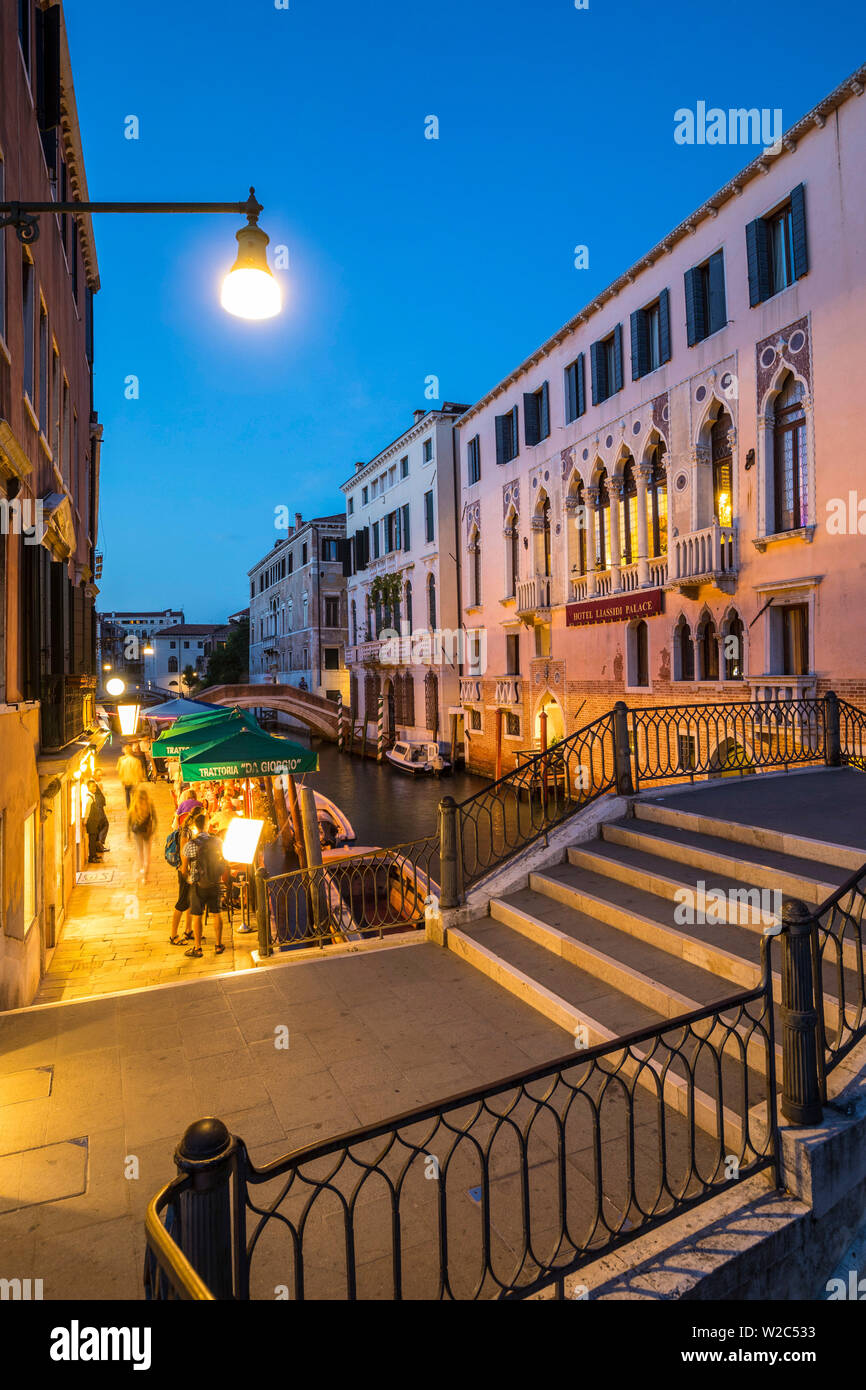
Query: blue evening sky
x=408 y=257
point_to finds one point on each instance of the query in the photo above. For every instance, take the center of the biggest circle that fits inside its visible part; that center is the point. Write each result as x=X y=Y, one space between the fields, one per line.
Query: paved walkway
x=819 y=804
x=115 y=934
x=94 y=1095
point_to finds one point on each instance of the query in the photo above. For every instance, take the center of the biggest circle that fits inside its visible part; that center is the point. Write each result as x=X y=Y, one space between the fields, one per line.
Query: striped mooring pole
x=341 y=735
x=380 y=729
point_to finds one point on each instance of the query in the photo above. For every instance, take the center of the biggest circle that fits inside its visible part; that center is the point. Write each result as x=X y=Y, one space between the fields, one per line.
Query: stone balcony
x=537 y=595
x=708 y=556
x=362 y=653
x=509 y=691
x=603 y=583
x=780 y=688
x=470 y=690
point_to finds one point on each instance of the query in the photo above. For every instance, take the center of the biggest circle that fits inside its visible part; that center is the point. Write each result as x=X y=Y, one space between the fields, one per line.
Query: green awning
x=247 y=753
x=200 y=732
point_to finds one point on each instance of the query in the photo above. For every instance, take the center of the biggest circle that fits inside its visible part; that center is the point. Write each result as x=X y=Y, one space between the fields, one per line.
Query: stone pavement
x=820 y=804
x=87 y=1086
x=115 y=934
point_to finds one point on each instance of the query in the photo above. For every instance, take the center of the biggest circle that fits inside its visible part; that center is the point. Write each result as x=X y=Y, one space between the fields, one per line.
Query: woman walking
x=141 y=826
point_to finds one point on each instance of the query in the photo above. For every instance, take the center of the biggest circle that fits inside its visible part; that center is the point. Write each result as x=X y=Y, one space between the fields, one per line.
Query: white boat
x=334 y=820
x=417 y=757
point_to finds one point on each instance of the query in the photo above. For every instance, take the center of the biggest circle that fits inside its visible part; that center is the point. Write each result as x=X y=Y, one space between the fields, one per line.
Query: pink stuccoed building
x=662 y=504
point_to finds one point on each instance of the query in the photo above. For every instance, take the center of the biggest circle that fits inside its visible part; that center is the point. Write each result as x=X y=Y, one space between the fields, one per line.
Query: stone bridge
x=317 y=713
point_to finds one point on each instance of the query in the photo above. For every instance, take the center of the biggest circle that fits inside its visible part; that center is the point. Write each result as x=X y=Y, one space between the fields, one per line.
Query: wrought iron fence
x=681 y=742
x=628 y=748
x=852 y=735
x=349 y=898
x=838 y=934
x=546 y=789
x=496 y=1193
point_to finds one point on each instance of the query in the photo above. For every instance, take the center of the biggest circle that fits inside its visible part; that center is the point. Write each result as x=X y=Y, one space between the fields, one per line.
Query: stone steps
x=660 y=916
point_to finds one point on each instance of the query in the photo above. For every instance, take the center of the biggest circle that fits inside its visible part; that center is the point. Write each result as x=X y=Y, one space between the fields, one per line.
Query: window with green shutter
x=575 y=392
x=536 y=415
x=473 y=460
x=507 y=445
x=651 y=336
x=606 y=366
x=777 y=249
x=706 y=307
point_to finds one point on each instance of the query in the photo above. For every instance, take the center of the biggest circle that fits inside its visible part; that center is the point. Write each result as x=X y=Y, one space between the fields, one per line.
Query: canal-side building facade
x=659 y=505
x=298 y=612
x=49 y=500
x=123 y=639
x=175 y=649
x=405 y=644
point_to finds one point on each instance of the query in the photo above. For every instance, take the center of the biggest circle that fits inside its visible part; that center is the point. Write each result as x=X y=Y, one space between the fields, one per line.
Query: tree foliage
x=229 y=665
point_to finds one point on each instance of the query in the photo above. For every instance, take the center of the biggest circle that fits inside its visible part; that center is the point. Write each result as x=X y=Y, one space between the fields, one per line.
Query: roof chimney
x=299 y=521
x=359 y=464
x=419 y=415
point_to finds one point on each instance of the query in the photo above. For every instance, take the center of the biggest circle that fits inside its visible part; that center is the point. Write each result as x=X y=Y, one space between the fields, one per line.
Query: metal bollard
x=205 y=1209
x=801 y=1082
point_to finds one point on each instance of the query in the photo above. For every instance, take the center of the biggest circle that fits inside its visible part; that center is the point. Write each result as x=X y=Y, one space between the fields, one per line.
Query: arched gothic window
x=790 y=478
x=708 y=650
x=431 y=602
x=602 y=524
x=734 y=648
x=684 y=652
x=628 y=515
x=657 y=498
x=723 y=486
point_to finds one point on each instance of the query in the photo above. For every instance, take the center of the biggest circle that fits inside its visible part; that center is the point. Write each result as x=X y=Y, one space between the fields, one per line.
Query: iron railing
x=509 y=814
x=852 y=735
x=838 y=933
x=681 y=742
x=496 y=1193
x=351 y=898
x=630 y=748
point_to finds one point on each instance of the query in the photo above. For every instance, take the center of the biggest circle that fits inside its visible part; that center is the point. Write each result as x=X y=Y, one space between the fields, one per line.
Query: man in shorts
x=204 y=864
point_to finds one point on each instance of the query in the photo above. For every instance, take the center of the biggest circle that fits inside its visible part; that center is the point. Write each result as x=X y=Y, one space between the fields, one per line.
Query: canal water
x=385 y=806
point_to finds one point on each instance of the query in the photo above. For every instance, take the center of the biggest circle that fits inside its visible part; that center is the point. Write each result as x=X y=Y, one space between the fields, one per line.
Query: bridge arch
x=319 y=714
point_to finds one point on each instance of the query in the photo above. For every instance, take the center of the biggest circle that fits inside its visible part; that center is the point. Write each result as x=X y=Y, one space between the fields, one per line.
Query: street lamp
x=115 y=686
x=249 y=290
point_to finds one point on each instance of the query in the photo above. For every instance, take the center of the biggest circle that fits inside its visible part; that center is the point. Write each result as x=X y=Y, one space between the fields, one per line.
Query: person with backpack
x=202 y=857
x=174 y=846
x=141 y=827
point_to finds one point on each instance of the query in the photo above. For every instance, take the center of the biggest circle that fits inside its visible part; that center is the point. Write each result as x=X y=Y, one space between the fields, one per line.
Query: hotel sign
x=642 y=604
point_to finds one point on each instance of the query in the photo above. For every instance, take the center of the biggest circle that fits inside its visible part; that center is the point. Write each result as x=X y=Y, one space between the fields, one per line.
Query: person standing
x=203 y=858
x=130 y=772
x=96 y=824
x=141 y=823
x=182 y=906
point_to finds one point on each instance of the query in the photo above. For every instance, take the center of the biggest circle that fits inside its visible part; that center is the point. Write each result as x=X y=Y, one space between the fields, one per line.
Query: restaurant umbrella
x=200 y=732
x=247 y=753
x=174 y=709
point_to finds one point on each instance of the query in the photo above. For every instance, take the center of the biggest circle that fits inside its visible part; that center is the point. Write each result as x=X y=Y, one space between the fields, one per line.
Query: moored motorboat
x=415 y=756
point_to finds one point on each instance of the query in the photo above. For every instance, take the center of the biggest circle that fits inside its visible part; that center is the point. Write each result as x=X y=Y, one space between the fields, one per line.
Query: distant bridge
x=317 y=713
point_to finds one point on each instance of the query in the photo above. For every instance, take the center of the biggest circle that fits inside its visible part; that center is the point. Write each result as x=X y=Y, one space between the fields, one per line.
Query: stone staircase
x=603 y=945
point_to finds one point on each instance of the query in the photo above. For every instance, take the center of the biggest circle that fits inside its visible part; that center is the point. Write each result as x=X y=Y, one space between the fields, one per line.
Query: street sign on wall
x=643 y=604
